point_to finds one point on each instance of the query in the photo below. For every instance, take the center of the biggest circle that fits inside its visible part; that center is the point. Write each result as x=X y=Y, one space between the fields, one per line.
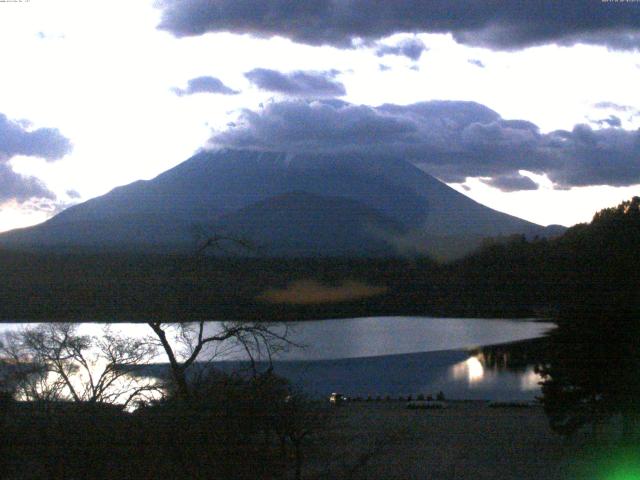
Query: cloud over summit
x=499 y=25
x=449 y=139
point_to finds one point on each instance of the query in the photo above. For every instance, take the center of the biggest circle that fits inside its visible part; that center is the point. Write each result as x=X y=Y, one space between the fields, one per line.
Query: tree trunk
x=177 y=370
x=180 y=380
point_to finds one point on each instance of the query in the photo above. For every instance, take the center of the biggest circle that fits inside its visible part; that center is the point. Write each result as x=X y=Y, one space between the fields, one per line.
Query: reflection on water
x=459 y=374
x=479 y=375
x=368 y=337
x=471 y=369
x=398 y=356
x=530 y=380
x=380 y=336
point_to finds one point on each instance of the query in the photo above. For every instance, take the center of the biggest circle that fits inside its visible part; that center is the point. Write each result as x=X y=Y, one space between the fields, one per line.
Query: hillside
x=408 y=209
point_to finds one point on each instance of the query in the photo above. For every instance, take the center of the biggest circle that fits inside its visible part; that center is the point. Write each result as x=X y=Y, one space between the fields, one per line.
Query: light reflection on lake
x=391 y=356
x=471 y=369
x=379 y=336
x=409 y=355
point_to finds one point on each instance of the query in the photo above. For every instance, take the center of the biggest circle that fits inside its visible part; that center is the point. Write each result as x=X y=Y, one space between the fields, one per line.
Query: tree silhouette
x=188 y=344
x=592 y=369
x=54 y=361
x=591 y=373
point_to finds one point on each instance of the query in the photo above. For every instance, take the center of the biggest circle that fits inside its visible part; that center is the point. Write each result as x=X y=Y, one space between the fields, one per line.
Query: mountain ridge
x=207 y=190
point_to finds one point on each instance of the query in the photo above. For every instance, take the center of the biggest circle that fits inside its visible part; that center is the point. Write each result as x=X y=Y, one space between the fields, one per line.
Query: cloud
x=497 y=25
x=205 y=85
x=452 y=140
x=409 y=47
x=612 y=121
x=477 y=63
x=311 y=292
x=50 y=36
x=298 y=83
x=511 y=183
x=627 y=111
x=20 y=188
x=17 y=139
x=301 y=126
x=609 y=156
x=615 y=106
x=48 y=206
x=73 y=194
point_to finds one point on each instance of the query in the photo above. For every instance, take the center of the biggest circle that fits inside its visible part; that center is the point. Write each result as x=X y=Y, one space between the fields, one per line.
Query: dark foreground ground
x=358 y=440
x=464 y=441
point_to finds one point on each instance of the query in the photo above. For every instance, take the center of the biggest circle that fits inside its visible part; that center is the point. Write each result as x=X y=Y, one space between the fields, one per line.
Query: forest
x=590 y=266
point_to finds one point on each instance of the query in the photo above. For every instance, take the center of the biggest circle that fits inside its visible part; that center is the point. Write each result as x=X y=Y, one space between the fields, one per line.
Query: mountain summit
x=285 y=205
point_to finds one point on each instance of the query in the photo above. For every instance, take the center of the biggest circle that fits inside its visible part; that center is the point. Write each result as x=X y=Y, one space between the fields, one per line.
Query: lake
x=380 y=356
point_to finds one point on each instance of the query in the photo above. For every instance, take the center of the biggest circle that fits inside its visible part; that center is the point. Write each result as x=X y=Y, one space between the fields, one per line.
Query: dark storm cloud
x=299 y=83
x=205 y=85
x=449 y=139
x=16 y=138
x=496 y=24
x=512 y=183
x=409 y=47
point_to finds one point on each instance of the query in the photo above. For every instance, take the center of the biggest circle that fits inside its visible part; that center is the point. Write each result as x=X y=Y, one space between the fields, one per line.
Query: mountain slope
x=211 y=187
x=302 y=224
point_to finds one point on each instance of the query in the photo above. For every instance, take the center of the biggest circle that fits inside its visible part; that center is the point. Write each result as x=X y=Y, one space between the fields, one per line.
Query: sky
x=532 y=108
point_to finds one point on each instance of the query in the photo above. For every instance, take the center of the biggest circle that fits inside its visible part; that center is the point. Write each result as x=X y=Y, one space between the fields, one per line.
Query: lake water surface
x=380 y=356
x=393 y=356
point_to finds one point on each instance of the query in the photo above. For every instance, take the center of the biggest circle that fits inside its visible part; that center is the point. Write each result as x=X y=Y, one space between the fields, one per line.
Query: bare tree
x=54 y=361
x=24 y=376
x=188 y=343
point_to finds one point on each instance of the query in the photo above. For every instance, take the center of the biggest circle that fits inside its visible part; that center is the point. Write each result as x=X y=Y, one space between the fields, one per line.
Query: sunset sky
x=532 y=108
